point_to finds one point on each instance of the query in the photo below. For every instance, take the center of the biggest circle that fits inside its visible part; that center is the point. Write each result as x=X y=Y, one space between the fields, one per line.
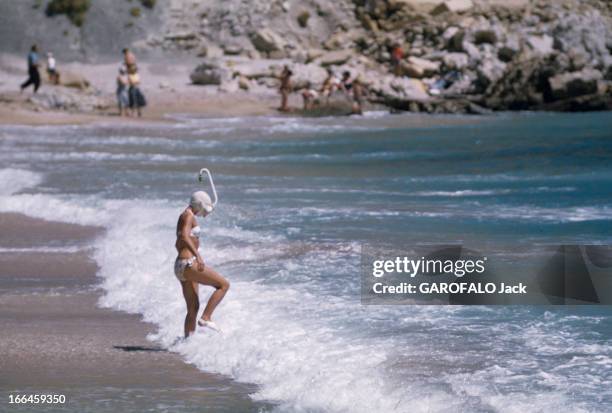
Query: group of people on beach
x=352 y=88
x=33 y=72
x=130 y=99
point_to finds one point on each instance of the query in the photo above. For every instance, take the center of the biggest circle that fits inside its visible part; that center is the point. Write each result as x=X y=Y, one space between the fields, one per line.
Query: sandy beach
x=168 y=93
x=57 y=340
x=16 y=109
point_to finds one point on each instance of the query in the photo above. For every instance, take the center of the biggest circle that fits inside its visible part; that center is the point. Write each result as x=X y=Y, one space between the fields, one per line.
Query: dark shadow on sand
x=140 y=348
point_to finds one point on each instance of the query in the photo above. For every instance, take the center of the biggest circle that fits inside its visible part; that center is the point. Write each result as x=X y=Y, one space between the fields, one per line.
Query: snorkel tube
x=212 y=184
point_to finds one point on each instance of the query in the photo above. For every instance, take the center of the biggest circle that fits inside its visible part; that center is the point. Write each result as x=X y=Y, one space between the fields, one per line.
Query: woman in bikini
x=189 y=267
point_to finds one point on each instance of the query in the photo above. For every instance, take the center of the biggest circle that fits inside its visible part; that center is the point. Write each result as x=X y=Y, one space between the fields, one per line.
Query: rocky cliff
x=458 y=55
x=502 y=55
x=106 y=26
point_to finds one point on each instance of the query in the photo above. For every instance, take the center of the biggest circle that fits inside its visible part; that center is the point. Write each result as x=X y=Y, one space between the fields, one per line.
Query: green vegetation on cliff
x=75 y=10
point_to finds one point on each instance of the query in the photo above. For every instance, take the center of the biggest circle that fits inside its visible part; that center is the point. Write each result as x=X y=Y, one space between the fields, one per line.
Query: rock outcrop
x=575 y=84
x=498 y=55
x=71 y=100
x=267 y=41
x=209 y=73
x=458 y=55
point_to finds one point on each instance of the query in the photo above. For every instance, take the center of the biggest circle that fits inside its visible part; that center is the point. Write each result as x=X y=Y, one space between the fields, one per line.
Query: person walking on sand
x=189 y=266
x=285 y=88
x=136 y=99
x=33 y=74
x=123 y=100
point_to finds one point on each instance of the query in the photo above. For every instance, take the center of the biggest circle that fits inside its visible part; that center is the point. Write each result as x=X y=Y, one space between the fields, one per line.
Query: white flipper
x=209 y=324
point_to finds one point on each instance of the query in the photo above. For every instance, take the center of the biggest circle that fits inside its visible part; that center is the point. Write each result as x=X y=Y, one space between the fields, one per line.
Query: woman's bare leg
x=284 y=101
x=212 y=278
x=190 y=292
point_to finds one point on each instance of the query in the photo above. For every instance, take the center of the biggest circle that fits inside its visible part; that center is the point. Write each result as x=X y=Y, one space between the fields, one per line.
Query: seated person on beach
x=123 y=100
x=52 y=70
x=285 y=88
x=136 y=99
x=346 y=83
x=437 y=86
x=309 y=95
x=189 y=266
x=330 y=85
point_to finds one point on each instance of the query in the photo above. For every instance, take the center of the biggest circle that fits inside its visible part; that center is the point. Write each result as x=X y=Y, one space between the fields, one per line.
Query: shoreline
x=57 y=339
x=166 y=108
x=223 y=105
x=226 y=105
x=168 y=95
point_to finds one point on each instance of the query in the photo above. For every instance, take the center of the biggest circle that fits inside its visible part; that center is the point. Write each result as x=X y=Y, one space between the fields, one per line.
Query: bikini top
x=196 y=232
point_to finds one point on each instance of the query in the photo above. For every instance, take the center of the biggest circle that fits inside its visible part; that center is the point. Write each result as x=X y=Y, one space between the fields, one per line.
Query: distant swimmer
x=189 y=266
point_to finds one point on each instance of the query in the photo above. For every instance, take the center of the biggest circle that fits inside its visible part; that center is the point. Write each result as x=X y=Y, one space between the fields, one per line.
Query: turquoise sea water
x=298 y=197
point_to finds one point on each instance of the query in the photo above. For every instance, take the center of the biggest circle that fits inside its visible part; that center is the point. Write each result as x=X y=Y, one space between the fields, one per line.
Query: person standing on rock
x=33 y=74
x=397 y=54
x=285 y=88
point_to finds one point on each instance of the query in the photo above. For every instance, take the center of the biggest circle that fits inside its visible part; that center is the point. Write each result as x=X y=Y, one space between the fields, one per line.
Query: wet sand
x=56 y=340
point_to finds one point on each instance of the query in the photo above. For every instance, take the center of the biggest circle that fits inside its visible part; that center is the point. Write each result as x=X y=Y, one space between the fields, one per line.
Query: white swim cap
x=200 y=201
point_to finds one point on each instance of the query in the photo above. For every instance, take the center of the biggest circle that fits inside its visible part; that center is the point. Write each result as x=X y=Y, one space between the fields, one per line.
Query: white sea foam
x=274 y=125
x=275 y=336
x=110 y=140
x=542 y=214
x=301 y=157
x=43 y=249
x=284 y=337
x=15 y=180
x=466 y=192
x=98 y=156
x=53 y=208
x=493 y=192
